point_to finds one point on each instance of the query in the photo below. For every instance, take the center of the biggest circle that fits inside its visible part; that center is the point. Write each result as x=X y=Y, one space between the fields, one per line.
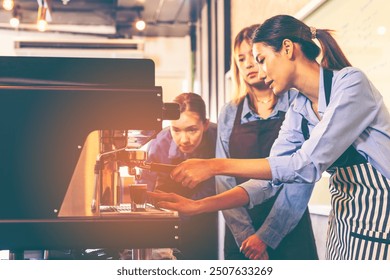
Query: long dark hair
x=275 y=29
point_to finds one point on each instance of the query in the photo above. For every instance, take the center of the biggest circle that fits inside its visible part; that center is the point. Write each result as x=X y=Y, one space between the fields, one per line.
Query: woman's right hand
x=193 y=171
x=175 y=202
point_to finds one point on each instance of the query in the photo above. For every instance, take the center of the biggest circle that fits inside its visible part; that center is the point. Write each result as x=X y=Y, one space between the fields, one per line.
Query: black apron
x=254 y=140
x=359 y=222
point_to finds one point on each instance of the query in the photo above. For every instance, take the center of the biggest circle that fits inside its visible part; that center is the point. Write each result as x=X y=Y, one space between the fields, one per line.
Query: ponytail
x=275 y=29
x=333 y=57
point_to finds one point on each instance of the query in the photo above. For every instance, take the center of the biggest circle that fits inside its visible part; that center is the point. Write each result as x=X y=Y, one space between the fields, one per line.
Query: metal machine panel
x=48 y=107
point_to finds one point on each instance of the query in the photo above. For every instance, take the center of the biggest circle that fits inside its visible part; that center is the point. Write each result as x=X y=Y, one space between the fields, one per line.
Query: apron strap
x=328 y=75
x=237 y=119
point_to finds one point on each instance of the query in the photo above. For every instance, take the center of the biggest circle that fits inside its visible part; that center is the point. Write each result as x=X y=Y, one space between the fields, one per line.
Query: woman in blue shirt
x=191 y=136
x=247 y=127
x=338 y=123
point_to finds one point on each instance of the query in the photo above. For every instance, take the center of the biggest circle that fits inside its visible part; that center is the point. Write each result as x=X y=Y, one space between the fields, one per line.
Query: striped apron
x=359 y=222
x=359 y=226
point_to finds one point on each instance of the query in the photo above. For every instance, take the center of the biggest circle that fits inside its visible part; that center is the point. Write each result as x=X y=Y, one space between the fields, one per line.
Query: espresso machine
x=124 y=151
x=118 y=169
x=55 y=117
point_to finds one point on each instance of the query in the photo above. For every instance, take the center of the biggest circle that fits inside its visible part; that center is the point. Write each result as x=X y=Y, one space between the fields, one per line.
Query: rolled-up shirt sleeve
x=259 y=191
x=285 y=214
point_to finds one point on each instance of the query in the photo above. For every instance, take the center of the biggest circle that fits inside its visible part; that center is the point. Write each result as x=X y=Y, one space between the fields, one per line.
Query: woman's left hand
x=192 y=171
x=174 y=201
x=255 y=249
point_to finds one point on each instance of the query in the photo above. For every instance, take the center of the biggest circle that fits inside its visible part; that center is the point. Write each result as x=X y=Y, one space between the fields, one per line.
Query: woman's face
x=187 y=131
x=275 y=67
x=246 y=64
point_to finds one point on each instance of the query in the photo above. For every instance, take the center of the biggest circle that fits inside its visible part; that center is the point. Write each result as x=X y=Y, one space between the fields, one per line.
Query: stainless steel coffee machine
x=121 y=161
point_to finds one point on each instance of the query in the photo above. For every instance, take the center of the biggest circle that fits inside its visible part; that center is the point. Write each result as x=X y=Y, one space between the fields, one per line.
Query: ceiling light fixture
x=41 y=20
x=14 y=22
x=140 y=24
x=43 y=15
x=16 y=16
x=381 y=30
x=8 y=5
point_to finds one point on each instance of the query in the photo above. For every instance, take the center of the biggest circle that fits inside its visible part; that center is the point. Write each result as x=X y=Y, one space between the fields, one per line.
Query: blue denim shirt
x=238 y=219
x=356 y=115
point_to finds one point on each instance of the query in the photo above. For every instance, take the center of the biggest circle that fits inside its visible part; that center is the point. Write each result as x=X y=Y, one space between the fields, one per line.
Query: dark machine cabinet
x=48 y=106
x=81 y=233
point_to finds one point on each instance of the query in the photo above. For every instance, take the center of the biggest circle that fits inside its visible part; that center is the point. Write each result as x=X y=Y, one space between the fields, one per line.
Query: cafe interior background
x=190 y=43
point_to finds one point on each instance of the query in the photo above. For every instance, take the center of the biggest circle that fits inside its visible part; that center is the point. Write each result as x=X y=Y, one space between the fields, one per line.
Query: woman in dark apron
x=247 y=135
x=349 y=127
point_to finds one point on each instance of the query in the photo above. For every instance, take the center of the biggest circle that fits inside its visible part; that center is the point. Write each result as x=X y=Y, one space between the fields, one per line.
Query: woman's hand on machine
x=192 y=171
x=254 y=248
x=175 y=202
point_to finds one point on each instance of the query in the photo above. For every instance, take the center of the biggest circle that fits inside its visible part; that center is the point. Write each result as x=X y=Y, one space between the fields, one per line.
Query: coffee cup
x=126 y=182
x=138 y=196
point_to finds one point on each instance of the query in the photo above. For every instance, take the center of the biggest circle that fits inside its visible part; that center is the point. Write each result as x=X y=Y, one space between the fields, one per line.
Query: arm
x=347 y=118
x=237 y=219
x=193 y=171
x=233 y=198
x=285 y=214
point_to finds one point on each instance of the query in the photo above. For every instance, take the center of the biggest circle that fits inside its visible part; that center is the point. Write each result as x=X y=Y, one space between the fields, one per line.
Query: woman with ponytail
x=338 y=123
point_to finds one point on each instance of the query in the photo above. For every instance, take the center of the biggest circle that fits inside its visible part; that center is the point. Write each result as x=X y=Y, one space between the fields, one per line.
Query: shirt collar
x=302 y=101
x=283 y=102
x=247 y=112
x=282 y=105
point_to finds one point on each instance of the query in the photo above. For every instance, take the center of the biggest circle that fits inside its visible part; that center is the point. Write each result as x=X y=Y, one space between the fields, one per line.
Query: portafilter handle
x=158 y=167
x=138 y=158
